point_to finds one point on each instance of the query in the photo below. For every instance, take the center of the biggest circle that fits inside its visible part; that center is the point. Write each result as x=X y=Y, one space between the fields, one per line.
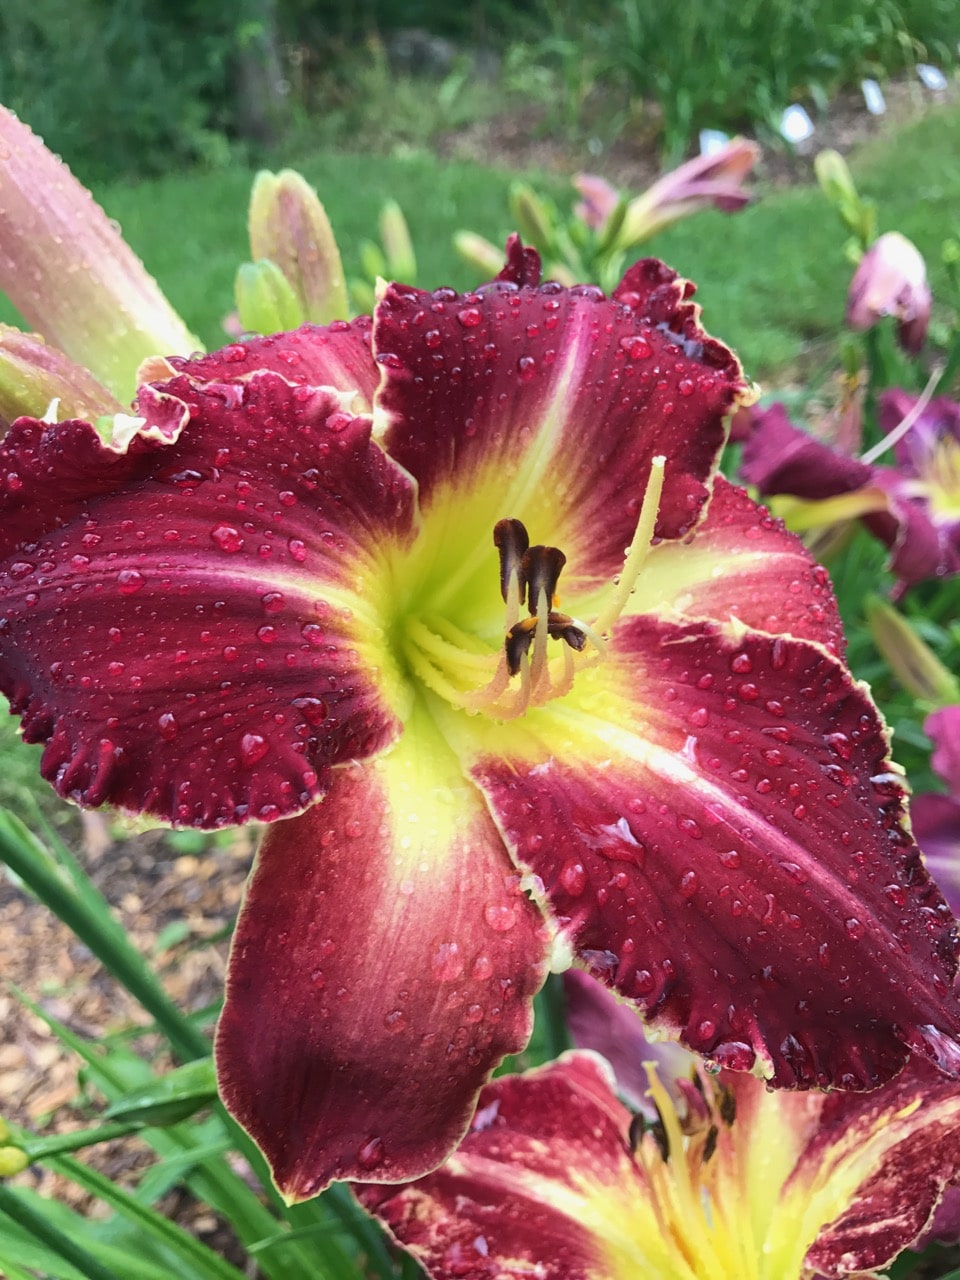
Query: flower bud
x=891 y=280
x=397 y=245
x=289 y=226
x=912 y=661
x=266 y=302
x=12 y=1160
x=32 y=374
x=479 y=253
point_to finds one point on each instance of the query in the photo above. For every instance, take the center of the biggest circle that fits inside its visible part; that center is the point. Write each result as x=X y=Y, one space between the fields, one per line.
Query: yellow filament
x=637 y=552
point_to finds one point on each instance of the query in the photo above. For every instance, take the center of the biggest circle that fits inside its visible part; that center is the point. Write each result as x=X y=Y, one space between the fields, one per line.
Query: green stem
x=60 y=1144
x=87 y=913
x=57 y=1241
x=553 y=1008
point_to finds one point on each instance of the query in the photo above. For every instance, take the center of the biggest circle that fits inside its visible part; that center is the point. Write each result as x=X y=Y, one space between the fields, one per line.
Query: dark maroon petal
x=335 y=355
x=719 y=833
x=384 y=963
x=741 y=563
x=917 y=1120
x=548 y=405
x=192 y=624
x=936 y=828
x=599 y=1021
x=523 y=263
x=943 y=727
x=545 y=1163
x=939 y=420
x=780 y=458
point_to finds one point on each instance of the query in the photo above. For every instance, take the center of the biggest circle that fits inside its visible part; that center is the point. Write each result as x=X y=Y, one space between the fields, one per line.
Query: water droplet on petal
x=371 y=1153
x=253 y=747
x=227 y=537
x=500 y=918
x=470 y=317
x=168 y=726
x=573 y=878
x=130 y=581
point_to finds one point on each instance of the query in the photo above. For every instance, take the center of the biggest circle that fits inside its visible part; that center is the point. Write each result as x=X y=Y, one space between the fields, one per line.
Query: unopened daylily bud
x=531 y=217
x=912 y=661
x=837 y=185
x=401 y=261
x=598 y=202
x=891 y=280
x=33 y=373
x=12 y=1160
x=266 y=302
x=479 y=253
x=714 y=180
x=289 y=226
x=372 y=260
x=67 y=270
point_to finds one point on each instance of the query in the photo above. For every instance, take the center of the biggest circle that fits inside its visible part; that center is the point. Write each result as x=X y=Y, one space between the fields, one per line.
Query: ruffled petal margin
x=384 y=964
x=534 y=402
x=188 y=615
x=337 y=355
x=718 y=832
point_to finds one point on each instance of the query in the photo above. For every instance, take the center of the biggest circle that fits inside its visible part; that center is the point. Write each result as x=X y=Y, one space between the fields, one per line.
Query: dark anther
x=518 y=641
x=728 y=1106
x=542 y=567
x=640 y=1126
x=710 y=1146
x=511 y=540
x=537 y=571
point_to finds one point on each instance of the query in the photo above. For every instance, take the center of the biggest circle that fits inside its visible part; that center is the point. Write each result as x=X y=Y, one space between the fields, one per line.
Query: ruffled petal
x=543 y=1185
x=780 y=458
x=884 y=1159
x=384 y=963
x=718 y=832
x=189 y=615
x=547 y=405
x=742 y=564
x=336 y=355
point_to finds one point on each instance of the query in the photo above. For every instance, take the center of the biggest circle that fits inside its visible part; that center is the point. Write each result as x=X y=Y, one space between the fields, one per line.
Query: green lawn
x=771 y=278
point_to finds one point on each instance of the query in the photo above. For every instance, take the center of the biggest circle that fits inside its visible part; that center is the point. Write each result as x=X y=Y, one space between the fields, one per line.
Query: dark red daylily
x=716 y=1178
x=276 y=592
x=913 y=507
x=936 y=814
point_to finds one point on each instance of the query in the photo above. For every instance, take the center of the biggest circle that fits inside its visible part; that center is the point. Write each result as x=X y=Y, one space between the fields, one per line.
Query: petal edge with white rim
x=384 y=963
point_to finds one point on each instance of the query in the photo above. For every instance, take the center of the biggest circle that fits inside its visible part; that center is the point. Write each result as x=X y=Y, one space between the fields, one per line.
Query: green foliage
x=115 y=87
x=730 y=63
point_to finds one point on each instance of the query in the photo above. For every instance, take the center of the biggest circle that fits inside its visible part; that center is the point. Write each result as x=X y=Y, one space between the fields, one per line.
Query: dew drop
x=253 y=747
x=573 y=878
x=741 y=664
x=636 y=348
x=297 y=549
x=395 y=1021
x=267 y=634
x=447 y=962
x=470 y=317
x=371 y=1153
x=167 y=724
x=272 y=602
x=688 y=884
x=527 y=368
x=501 y=919
x=130 y=581
x=227 y=537
x=854 y=927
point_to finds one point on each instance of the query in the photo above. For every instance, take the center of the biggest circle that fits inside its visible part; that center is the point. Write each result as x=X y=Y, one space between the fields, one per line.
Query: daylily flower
x=599 y=199
x=726 y=1181
x=707 y=181
x=317 y=575
x=891 y=280
x=67 y=270
x=912 y=507
x=936 y=815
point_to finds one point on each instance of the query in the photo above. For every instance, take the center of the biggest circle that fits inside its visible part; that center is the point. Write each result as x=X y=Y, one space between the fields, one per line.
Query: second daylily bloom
x=715 y=1179
x=913 y=507
x=316 y=579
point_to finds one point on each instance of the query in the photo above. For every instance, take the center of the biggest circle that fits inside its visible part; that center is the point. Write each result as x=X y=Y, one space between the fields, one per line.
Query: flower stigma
x=502 y=679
